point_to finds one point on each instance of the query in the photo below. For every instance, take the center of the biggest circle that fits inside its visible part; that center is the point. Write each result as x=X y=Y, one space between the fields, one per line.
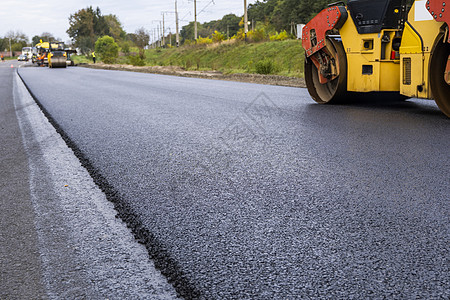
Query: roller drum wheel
x=440 y=86
x=334 y=91
x=58 y=62
x=59 y=65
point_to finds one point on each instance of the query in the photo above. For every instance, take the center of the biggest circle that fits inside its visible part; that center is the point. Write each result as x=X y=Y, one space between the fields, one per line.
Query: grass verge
x=283 y=58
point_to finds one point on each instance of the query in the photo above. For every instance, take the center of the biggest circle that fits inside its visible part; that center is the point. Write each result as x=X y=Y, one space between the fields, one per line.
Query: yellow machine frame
x=407 y=57
x=407 y=74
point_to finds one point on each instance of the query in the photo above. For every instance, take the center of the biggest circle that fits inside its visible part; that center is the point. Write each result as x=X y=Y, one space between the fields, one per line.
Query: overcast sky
x=35 y=17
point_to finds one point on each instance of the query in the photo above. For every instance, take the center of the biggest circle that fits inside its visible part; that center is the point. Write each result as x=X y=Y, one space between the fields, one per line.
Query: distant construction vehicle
x=53 y=54
x=43 y=50
x=394 y=46
x=28 y=52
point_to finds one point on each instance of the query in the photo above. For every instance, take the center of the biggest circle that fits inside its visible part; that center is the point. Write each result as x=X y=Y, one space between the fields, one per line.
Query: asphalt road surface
x=245 y=191
x=59 y=235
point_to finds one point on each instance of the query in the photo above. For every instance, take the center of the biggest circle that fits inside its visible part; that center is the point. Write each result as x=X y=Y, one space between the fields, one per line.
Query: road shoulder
x=87 y=253
x=21 y=269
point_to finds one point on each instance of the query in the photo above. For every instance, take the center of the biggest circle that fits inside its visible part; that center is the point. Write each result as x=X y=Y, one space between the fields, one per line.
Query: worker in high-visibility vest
x=93 y=56
x=40 y=59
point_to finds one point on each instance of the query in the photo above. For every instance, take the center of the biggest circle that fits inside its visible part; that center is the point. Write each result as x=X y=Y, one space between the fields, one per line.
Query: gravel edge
x=178 y=71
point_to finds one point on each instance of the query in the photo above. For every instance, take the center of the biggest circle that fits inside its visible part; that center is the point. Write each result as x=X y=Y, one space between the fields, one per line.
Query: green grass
x=286 y=57
x=78 y=59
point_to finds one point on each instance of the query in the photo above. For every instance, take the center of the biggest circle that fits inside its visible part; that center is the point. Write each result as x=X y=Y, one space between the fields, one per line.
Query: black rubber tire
x=439 y=87
x=334 y=91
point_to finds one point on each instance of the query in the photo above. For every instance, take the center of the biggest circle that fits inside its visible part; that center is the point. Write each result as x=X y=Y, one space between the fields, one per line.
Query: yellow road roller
x=51 y=54
x=57 y=56
x=397 y=47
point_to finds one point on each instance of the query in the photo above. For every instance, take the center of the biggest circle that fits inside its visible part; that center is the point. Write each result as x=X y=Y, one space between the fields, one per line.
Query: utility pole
x=195 y=19
x=176 y=19
x=152 y=37
x=159 y=35
x=163 y=32
x=170 y=38
x=10 y=49
x=245 y=19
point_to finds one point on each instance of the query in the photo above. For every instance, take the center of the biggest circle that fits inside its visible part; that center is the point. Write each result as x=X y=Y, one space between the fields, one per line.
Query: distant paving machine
x=52 y=54
x=394 y=46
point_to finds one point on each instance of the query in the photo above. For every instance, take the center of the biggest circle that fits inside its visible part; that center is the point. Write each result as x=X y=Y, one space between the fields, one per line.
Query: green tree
x=18 y=40
x=187 y=32
x=107 y=49
x=45 y=37
x=85 y=26
x=229 y=23
x=4 y=44
x=115 y=28
x=17 y=37
x=141 y=38
x=208 y=28
x=100 y=25
x=281 y=13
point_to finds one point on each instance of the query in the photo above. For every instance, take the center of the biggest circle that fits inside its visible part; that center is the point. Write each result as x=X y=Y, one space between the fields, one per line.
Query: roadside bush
x=279 y=36
x=257 y=35
x=107 y=49
x=240 y=35
x=125 y=47
x=188 y=43
x=254 y=36
x=204 y=41
x=136 y=60
x=218 y=37
x=265 y=66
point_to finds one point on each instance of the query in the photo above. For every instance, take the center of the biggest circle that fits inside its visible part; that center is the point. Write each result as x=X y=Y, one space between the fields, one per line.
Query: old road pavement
x=236 y=190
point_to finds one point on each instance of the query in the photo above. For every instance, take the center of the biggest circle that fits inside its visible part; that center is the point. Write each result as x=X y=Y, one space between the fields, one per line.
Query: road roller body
x=42 y=49
x=51 y=54
x=57 y=59
x=395 y=47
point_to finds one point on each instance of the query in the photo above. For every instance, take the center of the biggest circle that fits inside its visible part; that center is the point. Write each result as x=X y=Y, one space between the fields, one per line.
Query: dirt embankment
x=178 y=71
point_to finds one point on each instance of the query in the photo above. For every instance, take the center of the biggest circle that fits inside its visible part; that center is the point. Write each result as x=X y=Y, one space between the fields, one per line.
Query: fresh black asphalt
x=245 y=191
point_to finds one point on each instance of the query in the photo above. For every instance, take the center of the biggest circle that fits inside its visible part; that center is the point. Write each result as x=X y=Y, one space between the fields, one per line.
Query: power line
x=209 y=3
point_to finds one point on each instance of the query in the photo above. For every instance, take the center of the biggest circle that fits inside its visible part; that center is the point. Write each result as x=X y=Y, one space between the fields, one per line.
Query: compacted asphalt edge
x=85 y=250
x=156 y=249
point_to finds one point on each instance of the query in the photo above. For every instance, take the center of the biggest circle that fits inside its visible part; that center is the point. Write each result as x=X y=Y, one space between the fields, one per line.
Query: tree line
x=281 y=14
x=16 y=39
x=88 y=24
x=272 y=15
